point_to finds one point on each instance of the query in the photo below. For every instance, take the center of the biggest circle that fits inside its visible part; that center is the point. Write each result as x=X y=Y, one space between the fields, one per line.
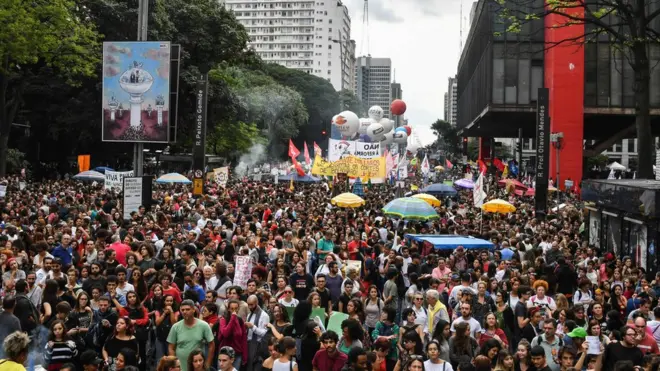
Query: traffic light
x=518 y=146
x=324 y=132
x=465 y=146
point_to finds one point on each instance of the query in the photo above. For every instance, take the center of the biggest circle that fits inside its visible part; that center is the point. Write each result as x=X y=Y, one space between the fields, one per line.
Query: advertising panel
x=136 y=91
x=338 y=149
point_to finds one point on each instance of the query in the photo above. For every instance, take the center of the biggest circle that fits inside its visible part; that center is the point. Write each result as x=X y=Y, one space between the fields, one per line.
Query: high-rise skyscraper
x=373 y=82
x=451 y=102
x=307 y=35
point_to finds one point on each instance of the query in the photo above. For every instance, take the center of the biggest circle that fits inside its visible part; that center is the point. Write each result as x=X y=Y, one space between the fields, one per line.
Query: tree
x=320 y=98
x=231 y=141
x=350 y=102
x=39 y=33
x=502 y=152
x=628 y=27
x=447 y=138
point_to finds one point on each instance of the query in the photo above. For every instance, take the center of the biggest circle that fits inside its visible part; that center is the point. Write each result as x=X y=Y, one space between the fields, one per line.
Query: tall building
x=307 y=35
x=373 y=77
x=397 y=93
x=451 y=101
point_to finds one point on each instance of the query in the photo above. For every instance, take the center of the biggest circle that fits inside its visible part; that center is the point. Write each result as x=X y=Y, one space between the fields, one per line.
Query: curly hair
x=538 y=283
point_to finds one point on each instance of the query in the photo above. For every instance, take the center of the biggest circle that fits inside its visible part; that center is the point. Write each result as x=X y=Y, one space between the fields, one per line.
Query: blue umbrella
x=410 y=208
x=90 y=176
x=103 y=169
x=440 y=189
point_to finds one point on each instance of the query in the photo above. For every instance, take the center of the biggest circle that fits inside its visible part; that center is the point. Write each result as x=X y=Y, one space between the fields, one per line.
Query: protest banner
x=115 y=179
x=351 y=166
x=221 y=175
x=338 y=149
x=243 y=271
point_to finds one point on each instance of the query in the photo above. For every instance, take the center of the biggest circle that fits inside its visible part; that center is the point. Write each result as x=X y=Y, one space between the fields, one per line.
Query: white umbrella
x=173 y=178
x=90 y=175
x=616 y=166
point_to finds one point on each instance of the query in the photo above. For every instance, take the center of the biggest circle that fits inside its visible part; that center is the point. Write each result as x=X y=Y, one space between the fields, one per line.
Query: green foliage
x=15 y=161
x=350 y=102
x=599 y=161
x=233 y=139
x=447 y=138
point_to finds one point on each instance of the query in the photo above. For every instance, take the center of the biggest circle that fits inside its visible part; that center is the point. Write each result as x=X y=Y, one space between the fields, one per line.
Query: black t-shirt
x=519 y=311
x=325 y=297
x=302 y=285
x=615 y=352
x=344 y=299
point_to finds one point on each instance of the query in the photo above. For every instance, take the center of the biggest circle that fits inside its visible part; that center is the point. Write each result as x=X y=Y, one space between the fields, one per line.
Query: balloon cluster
x=375 y=128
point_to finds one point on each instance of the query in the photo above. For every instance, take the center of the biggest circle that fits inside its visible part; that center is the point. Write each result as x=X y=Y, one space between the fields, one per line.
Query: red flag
x=317 y=150
x=449 y=164
x=307 y=159
x=482 y=167
x=498 y=164
x=299 y=168
x=293 y=151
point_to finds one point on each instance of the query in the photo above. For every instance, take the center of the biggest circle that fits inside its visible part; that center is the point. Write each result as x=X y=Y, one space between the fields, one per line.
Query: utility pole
x=143 y=25
x=520 y=145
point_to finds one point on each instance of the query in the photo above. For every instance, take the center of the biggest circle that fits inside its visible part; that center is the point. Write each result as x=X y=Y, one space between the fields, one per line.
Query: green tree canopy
x=447 y=138
x=53 y=33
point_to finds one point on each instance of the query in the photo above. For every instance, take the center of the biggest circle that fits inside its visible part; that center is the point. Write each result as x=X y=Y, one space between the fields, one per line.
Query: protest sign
x=351 y=166
x=243 y=271
x=115 y=179
x=221 y=175
x=334 y=323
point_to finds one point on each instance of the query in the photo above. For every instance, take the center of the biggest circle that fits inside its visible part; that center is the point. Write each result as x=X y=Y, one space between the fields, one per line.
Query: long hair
x=438 y=333
x=461 y=339
x=130 y=329
x=191 y=357
x=51 y=334
x=49 y=294
x=227 y=315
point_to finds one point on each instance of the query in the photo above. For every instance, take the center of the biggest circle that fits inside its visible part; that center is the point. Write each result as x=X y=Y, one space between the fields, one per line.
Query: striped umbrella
x=410 y=208
x=173 y=178
x=90 y=176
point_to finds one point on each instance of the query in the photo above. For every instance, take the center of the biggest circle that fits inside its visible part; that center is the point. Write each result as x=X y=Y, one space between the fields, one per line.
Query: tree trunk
x=645 y=141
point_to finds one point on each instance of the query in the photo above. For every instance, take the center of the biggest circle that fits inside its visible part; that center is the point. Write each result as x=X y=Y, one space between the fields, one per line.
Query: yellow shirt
x=7 y=365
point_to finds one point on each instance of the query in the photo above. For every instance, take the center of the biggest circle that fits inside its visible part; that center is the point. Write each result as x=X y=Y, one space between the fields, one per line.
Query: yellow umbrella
x=498 y=206
x=348 y=200
x=431 y=200
x=439 y=168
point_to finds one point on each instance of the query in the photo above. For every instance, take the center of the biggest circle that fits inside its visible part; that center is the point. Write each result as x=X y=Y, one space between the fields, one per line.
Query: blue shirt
x=201 y=295
x=507 y=253
x=65 y=254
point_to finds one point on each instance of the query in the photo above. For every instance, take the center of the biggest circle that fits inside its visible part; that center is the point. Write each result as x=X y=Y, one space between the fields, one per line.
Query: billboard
x=338 y=149
x=136 y=91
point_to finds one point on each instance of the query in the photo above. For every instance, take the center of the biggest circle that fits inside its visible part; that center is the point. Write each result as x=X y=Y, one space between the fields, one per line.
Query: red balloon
x=398 y=107
x=408 y=129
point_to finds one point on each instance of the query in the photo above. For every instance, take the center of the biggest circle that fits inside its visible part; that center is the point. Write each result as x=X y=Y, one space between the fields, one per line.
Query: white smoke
x=256 y=155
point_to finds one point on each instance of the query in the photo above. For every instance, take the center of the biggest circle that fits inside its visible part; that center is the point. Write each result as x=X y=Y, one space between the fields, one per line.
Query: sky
x=422 y=37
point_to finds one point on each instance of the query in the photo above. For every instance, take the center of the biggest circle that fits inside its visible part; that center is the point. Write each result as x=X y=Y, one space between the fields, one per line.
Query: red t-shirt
x=648 y=345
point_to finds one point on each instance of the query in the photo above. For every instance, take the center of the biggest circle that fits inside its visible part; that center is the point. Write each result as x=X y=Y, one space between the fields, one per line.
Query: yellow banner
x=351 y=166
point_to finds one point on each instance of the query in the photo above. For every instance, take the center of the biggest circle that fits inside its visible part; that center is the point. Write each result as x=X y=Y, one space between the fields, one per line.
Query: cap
x=578 y=332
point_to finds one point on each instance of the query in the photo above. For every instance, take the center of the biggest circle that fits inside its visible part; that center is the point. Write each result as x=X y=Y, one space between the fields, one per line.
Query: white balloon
x=347 y=122
x=388 y=124
x=376 y=113
x=413 y=147
x=375 y=132
x=400 y=137
x=387 y=139
x=364 y=124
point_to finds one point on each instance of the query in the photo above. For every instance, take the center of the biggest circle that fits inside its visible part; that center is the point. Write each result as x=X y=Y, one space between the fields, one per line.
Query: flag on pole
x=426 y=168
x=478 y=193
x=308 y=160
x=299 y=168
x=505 y=173
x=317 y=150
x=448 y=164
x=611 y=176
x=482 y=167
x=293 y=151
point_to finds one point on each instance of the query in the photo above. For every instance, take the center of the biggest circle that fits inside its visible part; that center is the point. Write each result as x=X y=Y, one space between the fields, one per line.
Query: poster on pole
x=132 y=195
x=243 y=271
x=542 y=151
x=115 y=179
x=136 y=91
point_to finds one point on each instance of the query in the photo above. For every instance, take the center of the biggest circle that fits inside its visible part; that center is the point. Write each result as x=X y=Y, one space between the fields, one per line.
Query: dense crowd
x=84 y=288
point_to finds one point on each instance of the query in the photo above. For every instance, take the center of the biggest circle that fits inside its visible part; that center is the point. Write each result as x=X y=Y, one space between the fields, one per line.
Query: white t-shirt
x=279 y=366
x=475 y=327
x=293 y=303
x=444 y=366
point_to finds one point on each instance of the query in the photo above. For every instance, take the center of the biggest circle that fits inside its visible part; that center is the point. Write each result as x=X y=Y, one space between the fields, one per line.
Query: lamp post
x=557 y=140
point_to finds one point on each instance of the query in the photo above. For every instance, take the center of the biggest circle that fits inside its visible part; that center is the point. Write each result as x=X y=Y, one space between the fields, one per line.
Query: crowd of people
x=86 y=288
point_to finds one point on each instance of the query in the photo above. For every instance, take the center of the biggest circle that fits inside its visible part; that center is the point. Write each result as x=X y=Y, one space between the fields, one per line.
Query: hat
x=89 y=357
x=578 y=332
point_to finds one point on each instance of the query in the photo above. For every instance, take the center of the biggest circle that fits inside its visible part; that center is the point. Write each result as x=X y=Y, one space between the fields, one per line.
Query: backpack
x=539 y=338
x=25 y=317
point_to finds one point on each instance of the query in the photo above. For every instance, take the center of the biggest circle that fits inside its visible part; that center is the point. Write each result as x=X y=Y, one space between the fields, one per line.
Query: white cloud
x=422 y=39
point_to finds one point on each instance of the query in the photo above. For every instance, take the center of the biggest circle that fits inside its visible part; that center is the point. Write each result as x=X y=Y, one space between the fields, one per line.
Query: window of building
x=498 y=73
x=631 y=145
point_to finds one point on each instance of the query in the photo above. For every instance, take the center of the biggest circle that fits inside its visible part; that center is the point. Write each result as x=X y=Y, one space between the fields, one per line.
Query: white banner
x=478 y=191
x=221 y=175
x=338 y=149
x=242 y=271
x=115 y=179
x=132 y=195
x=426 y=168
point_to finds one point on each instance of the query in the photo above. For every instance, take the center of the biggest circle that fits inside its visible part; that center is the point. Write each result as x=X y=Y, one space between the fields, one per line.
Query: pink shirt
x=121 y=249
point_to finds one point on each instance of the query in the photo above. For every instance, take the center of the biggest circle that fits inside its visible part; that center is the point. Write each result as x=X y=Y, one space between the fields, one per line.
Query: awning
x=451 y=242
